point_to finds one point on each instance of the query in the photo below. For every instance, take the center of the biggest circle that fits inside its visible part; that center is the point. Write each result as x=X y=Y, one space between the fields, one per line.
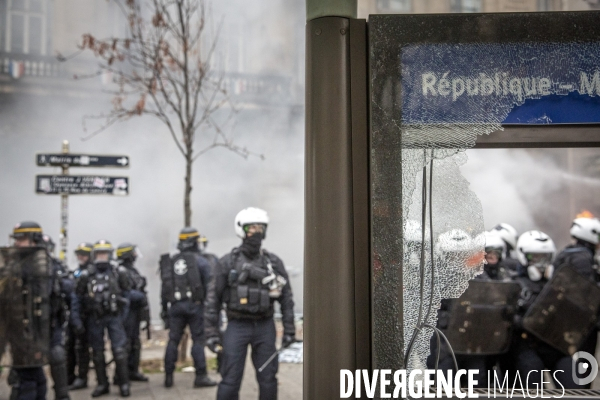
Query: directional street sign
x=82 y=184
x=81 y=160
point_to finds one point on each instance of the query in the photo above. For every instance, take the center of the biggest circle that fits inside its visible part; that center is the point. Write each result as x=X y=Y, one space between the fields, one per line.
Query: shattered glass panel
x=431 y=96
x=458 y=246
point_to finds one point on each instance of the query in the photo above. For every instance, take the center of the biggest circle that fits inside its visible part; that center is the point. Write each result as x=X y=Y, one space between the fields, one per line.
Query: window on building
x=26 y=23
x=466 y=6
x=393 y=6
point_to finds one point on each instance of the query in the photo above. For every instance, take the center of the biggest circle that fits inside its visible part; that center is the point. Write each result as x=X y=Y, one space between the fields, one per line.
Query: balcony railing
x=243 y=87
x=17 y=65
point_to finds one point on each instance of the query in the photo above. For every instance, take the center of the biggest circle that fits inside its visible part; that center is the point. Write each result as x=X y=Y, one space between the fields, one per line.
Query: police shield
x=24 y=306
x=480 y=320
x=565 y=312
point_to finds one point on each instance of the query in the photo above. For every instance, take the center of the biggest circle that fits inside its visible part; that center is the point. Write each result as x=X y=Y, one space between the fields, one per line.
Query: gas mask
x=274 y=281
x=539 y=266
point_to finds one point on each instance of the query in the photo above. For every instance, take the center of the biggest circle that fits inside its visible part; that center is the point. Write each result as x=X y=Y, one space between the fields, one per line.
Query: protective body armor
x=61 y=287
x=181 y=279
x=103 y=292
x=565 y=312
x=480 y=321
x=247 y=294
x=136 y=280
x=581 y=259
x=25 y=314
x=81 y=290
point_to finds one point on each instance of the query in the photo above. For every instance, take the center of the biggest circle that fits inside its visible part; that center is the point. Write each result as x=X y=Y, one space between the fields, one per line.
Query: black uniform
x=250 y=311
x=105 y=291
x=185 y=278
x=528 y=353
x=77 y=346
x=483 y=363
x=138 y=302
x=580 y=256
x=63 y=298
x=30 y=382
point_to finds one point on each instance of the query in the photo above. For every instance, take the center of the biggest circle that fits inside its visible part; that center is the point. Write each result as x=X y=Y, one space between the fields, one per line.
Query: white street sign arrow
x=82 y=160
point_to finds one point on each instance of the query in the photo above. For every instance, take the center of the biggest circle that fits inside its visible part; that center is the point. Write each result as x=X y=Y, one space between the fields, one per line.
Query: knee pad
x=119 y=353
x=58 y=355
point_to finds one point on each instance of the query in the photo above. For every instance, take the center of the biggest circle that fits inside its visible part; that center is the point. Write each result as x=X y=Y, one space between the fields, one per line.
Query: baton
x=269 y=360
x=275 y=354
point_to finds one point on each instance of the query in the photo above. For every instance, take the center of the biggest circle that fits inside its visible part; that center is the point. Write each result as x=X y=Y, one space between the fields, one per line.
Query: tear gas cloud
x=541 y=189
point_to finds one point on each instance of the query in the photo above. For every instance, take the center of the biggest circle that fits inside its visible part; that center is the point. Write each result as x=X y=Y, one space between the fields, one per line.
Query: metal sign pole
x=64 y=208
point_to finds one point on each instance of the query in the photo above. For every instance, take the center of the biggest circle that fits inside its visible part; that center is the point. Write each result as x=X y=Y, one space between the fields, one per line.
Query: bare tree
x=162 y=68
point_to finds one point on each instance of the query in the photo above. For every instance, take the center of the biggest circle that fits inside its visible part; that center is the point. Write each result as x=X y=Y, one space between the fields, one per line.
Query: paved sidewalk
x=290 y=386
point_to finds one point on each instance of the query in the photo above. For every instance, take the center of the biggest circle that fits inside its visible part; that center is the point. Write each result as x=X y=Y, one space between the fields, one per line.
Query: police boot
x=122 y=373
x=134 y=373
x=58 y=370
x=78 y=383
x=202 y=379
x=168 y=380
x=100 y=367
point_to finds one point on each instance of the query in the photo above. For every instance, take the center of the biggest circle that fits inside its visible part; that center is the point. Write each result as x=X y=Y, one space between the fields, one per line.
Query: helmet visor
x=539 y=258
x=255 y=228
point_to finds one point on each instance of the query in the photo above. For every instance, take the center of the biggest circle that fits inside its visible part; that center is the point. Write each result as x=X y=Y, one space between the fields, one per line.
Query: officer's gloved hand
x=287 y=340
x=164 y=315
x=214 y=344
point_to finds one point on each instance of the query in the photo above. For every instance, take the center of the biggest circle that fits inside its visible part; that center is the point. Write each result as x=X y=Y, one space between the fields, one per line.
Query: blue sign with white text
x=515 y=83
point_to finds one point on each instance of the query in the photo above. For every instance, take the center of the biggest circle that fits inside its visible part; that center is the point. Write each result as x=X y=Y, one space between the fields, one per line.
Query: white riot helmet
x=461 y=253
x=508 y=234
x=586 y=229
x=455 y=241
x=249 y=216
x=535 y=251
x=495 y=243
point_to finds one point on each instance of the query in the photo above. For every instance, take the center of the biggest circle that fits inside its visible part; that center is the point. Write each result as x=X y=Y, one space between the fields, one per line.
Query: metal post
x=336 y=258
x=64 y=209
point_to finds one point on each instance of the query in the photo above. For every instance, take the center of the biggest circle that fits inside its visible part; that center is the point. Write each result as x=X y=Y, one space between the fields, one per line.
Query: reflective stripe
x=184 y=236
x=103 y=246
x=124 y=250
x=26 y=230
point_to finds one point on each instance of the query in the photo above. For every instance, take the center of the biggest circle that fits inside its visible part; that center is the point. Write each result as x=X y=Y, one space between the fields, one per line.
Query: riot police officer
x=185 y=277
x=249 y=280
x=580 y=256
x=62 y=297
x=535 y=251
x=138 y=303
x=457 y=253
x=495 y=255
x=78 y=349
x=106 y=290
x=28 y=382
x=63 y=300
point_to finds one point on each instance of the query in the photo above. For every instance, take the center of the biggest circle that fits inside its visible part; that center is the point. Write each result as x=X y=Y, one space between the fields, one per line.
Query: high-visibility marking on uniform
x=183 y=236
x=124 y=250
x=25 y=230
